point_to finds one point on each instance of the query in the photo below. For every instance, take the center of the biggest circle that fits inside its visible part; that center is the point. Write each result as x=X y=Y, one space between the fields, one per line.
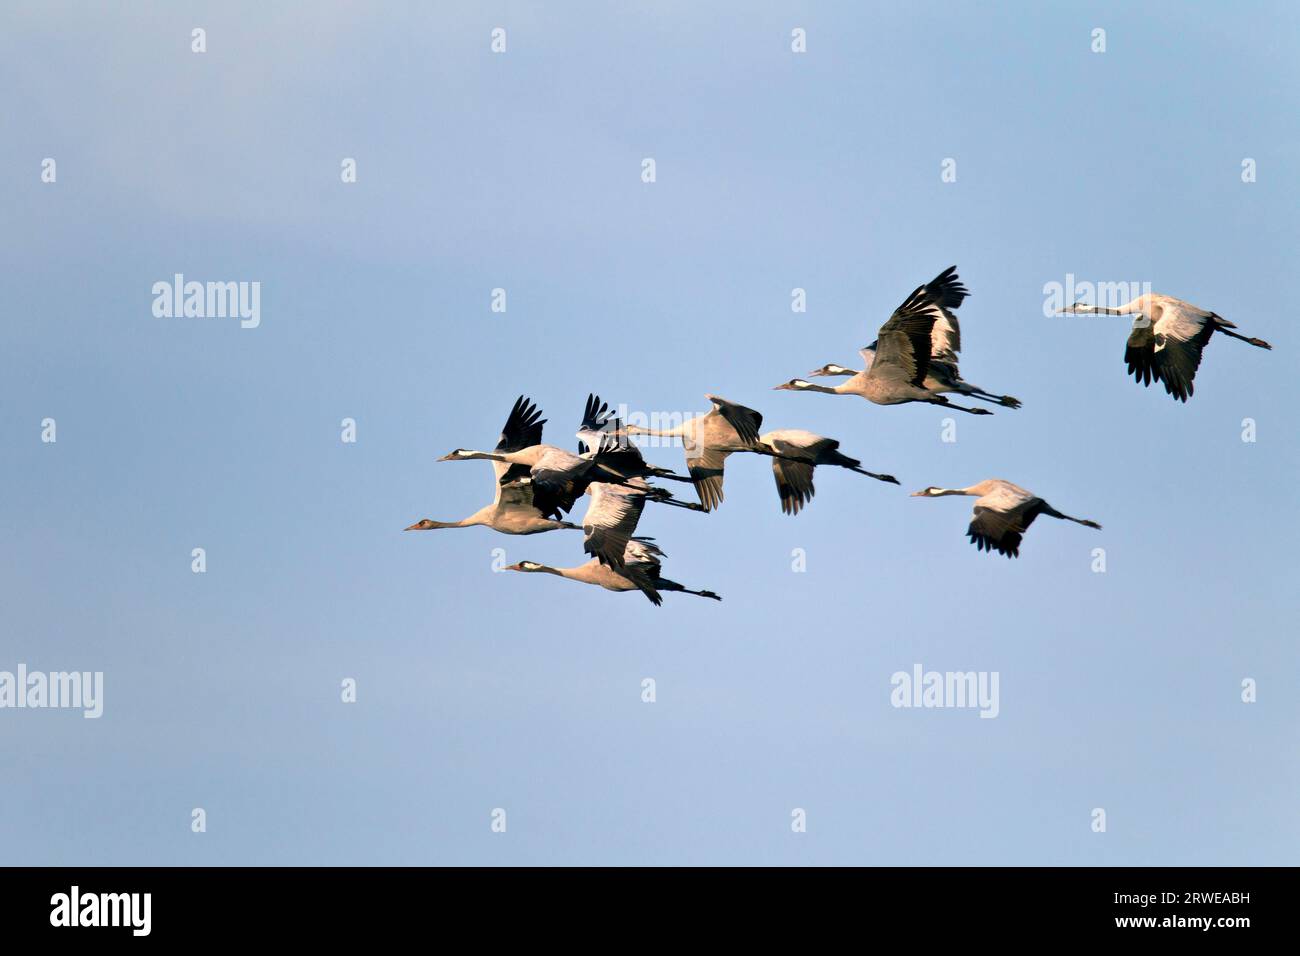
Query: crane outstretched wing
x=922 y=326
x=794 y=483
x=523 y=427
x=521 y=494
x=903 y=349
x=705 y=470
x=1000 y=530
x=1166 y=346
x=949 y=293
x=744 y=420
x=561 y=477
x=611 y=519
x=599 y=429
x=641 y=567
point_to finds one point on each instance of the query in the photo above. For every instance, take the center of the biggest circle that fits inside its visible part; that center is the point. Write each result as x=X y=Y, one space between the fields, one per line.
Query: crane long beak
x=414 y=527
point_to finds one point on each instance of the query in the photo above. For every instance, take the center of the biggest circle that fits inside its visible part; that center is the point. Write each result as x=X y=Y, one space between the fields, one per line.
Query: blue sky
x=522 y=171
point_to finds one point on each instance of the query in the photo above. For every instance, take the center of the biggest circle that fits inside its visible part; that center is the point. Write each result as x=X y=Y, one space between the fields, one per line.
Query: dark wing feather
x=558 y=489
x=903 y=346
x=561 y=479
x=946 y=290
x=641 y=567
x=513 y=473
x=1140 y=352
x=599 y=428
x=595 y=414
x=905 y=342
x=745 y=421
x=949 y=293
x=903 y=349
x=638 y=575
x=521 y=494
x=794 y=483
x=516 y=488
x=523 y=428
x=1176 y=360
x=624 y=460
x=706 y=471
x=550 y=504
x=993 y=530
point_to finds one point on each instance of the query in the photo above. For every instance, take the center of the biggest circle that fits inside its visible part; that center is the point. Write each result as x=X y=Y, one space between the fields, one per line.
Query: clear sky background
x=775 y=170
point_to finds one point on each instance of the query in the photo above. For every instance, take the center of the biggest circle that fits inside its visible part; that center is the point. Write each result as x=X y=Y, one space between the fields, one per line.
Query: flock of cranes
x=914 y=359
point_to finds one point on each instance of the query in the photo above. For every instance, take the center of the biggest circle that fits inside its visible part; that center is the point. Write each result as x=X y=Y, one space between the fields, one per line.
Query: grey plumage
x=1002 y=513
x=1167 y=340
x=798 y=454
x=639 y=571
x=922 y=331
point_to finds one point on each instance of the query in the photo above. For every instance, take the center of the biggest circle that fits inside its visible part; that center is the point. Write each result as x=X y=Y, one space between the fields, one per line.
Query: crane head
x=828 y=370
